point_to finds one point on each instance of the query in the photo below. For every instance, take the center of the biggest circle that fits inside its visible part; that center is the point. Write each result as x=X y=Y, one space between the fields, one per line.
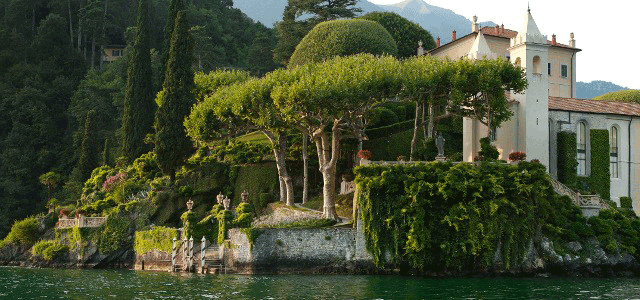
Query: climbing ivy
x=444 y=216
x=567 y=161
x=599 y=177
x=157 y=238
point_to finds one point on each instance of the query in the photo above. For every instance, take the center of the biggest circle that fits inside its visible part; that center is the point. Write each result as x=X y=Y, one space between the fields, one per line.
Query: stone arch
x=536 y=65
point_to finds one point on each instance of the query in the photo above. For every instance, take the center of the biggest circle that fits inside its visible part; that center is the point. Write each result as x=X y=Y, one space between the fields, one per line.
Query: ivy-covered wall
x=567 y=160
x=599 y=178
x=440 y=216
x=157 y=238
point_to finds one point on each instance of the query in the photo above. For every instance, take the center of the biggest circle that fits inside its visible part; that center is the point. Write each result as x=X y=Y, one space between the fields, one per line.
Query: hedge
x=158 y=238
x=599 y=179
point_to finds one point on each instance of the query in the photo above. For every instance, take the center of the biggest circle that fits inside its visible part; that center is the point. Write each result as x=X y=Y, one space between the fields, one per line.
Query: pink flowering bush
x=113 y=181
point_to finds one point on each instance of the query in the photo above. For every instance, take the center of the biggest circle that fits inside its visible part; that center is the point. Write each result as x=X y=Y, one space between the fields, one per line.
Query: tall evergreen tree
x=171 y=143
x=139 y=107
x=88 y=150
x=106 y=153
x=174 y=7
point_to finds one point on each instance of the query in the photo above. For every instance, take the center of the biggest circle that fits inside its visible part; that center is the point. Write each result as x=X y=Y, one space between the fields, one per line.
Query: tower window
x=549 y=69
x=564 y=70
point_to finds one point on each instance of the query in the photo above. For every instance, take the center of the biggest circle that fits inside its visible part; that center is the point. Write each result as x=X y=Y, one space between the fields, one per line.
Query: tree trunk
x=79 y=40
x=416 y=127
x=286 y=183
x=305 y=162
x=424 y=124
x=93 y=51
x=328 y=159
x=70 y=22
x=431 y=126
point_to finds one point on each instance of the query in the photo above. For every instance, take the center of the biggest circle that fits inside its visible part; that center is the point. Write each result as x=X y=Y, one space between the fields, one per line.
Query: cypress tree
x=174 y=7
x=139 y=105
x=88 y=156
x=172 y=145
x=106 y=153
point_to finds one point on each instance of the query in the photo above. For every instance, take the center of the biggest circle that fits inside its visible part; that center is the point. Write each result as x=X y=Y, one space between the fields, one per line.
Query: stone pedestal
x=441 y=158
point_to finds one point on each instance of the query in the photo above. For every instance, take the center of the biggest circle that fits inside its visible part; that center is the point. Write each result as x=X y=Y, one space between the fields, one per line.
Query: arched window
x=581 y=156
x=536 y=65
x=613 y=152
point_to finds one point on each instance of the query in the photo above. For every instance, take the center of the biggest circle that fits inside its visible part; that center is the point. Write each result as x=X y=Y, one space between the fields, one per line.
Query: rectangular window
x=564 y=70
x=116 y=53
x=549 y=69
x=613 y=158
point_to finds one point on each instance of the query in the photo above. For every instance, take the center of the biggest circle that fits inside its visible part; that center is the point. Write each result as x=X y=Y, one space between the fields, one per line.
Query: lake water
x=20 y=283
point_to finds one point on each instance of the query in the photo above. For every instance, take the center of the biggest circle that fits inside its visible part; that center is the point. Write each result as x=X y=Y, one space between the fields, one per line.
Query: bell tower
x=529 y=50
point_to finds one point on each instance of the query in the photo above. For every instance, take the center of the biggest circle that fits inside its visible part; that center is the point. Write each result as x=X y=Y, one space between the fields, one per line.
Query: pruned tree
x=50 y=180
x=427 y=81
x=481 y=86
x=335 y=94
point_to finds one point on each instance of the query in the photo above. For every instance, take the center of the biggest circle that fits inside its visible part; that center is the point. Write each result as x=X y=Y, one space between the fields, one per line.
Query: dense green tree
x=106 y=153
x=621 y=96
x=139 y=106
x=341 y=38
x=174 y=7
x=406 y=33
x=300 y=16
x=50 y=180
x=89 y=149
x=171 y=143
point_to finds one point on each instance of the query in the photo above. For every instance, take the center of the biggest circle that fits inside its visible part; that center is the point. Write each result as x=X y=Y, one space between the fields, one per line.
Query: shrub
x=113 y=181
x=516 y=156
x=632 y=96
x=381 y=116
x=39 y=247
x=625 y=202
x=54 y=251
x=24 y=232
x=343 y=38
x=487 y=150
x=224 y=221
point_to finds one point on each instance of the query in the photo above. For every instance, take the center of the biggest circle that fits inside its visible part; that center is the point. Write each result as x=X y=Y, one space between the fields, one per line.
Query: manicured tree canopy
x=342 y=38
x=621 y=96
x=406 y=33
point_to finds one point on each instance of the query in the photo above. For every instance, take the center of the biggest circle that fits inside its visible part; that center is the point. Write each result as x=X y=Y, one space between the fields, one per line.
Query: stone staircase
x=590 y=204
x=211 y=263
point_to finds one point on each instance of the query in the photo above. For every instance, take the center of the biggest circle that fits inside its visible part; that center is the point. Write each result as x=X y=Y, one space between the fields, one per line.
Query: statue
x=440 y=145
x=244 y=197
x=219 y=198
x=227 y=203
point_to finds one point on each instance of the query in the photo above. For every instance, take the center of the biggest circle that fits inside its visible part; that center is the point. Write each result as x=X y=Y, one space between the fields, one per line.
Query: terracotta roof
x=594 y=106
x=508 y=33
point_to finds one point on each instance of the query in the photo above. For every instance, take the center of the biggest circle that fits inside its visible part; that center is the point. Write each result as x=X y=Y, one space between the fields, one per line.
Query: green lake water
x=21 y=283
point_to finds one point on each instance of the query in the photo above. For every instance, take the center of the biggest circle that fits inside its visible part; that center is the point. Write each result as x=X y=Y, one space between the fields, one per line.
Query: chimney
x=438 y=42
x=497 y=29
x=553 y=39
x=453 y=36
x=474 y=24
x=502 y=29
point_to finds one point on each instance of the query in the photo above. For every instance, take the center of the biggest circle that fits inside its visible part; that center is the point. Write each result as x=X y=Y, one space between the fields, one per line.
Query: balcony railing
x=88 y=222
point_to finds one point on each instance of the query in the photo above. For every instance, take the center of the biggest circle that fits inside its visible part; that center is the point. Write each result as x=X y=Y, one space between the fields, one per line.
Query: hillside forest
x=55 y=87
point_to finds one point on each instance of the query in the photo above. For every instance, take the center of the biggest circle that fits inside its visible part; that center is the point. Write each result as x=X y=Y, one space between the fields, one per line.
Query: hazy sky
x=604 y=30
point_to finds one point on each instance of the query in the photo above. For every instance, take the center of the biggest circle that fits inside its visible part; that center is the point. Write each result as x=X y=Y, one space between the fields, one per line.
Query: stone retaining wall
x=292 y=250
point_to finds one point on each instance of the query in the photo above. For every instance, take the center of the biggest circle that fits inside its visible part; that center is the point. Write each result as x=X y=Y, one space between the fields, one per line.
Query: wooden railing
x=90 y=222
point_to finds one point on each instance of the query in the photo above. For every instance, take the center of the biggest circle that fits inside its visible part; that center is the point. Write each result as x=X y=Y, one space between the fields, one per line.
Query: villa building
x=549 y=106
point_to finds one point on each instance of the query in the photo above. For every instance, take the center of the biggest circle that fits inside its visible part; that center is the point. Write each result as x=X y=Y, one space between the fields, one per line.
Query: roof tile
x=594 y=106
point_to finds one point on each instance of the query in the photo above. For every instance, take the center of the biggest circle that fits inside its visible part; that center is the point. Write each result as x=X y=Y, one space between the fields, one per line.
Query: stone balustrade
x=88 y=222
